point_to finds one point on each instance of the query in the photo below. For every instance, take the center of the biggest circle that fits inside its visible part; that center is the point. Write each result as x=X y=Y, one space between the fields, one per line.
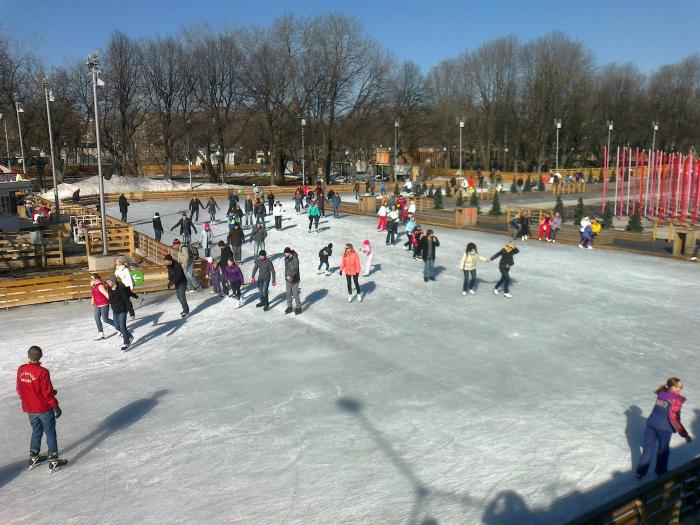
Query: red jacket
x=35 y=389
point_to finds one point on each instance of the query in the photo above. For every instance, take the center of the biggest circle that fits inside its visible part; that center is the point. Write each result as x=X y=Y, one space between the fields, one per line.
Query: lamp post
x=505 y=158
x=610 y=128
x=396 y=149
x=557 y=124
x=460 y=121
x=189 y=153
x=92 y=62
x=19 y=110
x=303 y=168
x=655 y=126
x=7 y=142
x=49 y=98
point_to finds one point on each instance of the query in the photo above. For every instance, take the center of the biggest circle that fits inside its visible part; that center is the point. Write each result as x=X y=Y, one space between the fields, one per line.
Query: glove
x=55 y=392
x=274 y=283
x=57 y=411
x=341 y=273
x=252 y=280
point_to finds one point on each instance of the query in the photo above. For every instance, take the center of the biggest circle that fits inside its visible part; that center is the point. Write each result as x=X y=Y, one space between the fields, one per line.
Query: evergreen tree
x=437 y=199
x=397 y=191
x=540 y=186
x=474 y=202
x=607 y=221
x=635 y=223
x=528 y=184
x=578 y=211
x=590 y=176
x=495 y=206
x=460 y=200
x=431 y=192
x=513 y=187
x=559 y=206
x=448 y=192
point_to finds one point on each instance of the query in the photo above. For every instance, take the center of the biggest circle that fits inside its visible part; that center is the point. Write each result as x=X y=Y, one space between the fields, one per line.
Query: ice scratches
x=424 y=495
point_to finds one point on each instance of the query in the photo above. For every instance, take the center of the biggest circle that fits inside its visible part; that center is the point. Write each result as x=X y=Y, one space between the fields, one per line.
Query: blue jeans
x=263 y=285
x=655 y=438
x=102 y=312
x=43 y=423
x=120 y=324
x=249 y=218
x=467 y=284
x=158 y=233
x=504 y=280
x=429 y=268
x=191 y=279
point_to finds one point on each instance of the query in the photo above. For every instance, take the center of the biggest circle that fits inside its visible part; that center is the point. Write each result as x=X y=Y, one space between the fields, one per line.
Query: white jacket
x=277 y=210
x=382 y=211
x=585 y=222
x=124 y=275
x=394 y=215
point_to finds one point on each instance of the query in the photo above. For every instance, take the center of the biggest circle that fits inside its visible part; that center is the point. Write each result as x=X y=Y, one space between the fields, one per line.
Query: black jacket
x=291 y=268
x=236 y=236
x=226 y=254
x=119 y=298
x=506 y=257
x=195 y=204
x=424 y=247
x=325 y=253
x=157 y=225
x=123 y=204
x=185 y=225
x=176 y=275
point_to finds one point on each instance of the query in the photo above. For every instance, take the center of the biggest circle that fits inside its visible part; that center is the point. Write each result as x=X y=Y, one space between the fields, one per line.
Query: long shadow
x=205 y=304
x=279 y=298
x=167 y=328
x=439 y=270
x=288 y=227
x=116 y=421
x=424 y=495
x=368 y=287
x=323 y=229
x=313 y=297
x=375 y=268
x=634 y=432
x=149 y=319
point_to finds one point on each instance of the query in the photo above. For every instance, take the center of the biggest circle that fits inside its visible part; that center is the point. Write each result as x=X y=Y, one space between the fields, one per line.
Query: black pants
x=124 y=216
x=278 y=222
x=391 y=233
x=505 y=278
x=130 y=308
x=324 y=260
x=180 y=289
x=235 y=287
x=314 y=221
x=351 y=278
x=469 y=283
x=194 y=215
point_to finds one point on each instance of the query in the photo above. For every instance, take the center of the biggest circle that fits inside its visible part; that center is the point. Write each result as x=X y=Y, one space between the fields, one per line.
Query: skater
x=366 y=248
x=259 y=211
x=266 y=272
x=248 y=208
x=178 y=279
x=212 y=206
x=554 y=227
x=235 y=238
x=232 y=281
x=468 y=267
x=194 y=206
x=270 y=203
x=356 y=189
x=515 y=226
x=335 y=201
x=314 y=214
x=186 y=258
x=321 y=201
x=157 y=226
x=350 y=264
x=257 y=237
x=277 y=211
x=382 y=213
x=206 y=239
x=417 y=237
x=123 y=206
x=100 y=304
x=225 y=253
x=524 y=226
x=292 y=278
x=39 y=402
x=664 y=420
x=119 y=299
x=232 y=200
x=506 y=254
x=586 y=236
x=298 y=196
x=214 y=276
x=392 y=226
x=186 y=226
x=410 y=226
x=121 y=270
x=428 y=244
x=323 y=257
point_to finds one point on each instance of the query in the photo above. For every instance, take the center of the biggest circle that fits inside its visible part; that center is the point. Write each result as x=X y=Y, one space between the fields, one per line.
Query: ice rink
x=416 y=406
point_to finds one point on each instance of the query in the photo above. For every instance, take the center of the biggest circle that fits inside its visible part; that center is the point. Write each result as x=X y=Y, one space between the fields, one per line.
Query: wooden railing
x=568 y=187
x=18 y=251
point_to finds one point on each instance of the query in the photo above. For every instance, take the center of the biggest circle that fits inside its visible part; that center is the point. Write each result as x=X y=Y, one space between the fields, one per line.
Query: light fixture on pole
x=7 y=142
x=655 y=125
x=92 y=62
x=18 y=110
x=460 y=122
x=607 y=160
x=49 y=98
x=396 y=149
x=557 y=124
x=303 y=168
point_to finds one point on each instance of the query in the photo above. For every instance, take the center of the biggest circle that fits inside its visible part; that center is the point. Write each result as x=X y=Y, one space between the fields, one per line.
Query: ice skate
x=507 y=295
x=55 y=462
x=319 y=272
x=288 y=310
x=297 y=311
x=464 y=293
x=328 y=272
x=35 y=459
x=359 y=297
x=590 y=247
x=350 y=298
x=240 y=303
x=495 y=291
x=100 y=336
x=472 y=292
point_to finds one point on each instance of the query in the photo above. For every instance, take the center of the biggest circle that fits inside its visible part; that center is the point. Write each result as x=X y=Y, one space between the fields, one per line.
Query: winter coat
x=382 y=211
x=212 y=206
x=124 y=275
x=596 y=227
x=98 y=295
x=258 y=235
x=666 y=414
x=195 y=204
x=123 y=204
x=469 y=260
x=584 y=222
x=183 y=255
x=35 y=389
x=119 y=298
x=186 y=225
x=226 y=254
x=264 y=268
x=350 y=264
x=277 y=210
x=259 y=209
x=410 y=226
x=314 y=211
x=157 y=225
x=556 y=223
x=248 y=206
x=206 y=238
x=588 y=232
x=424 y=247
x=325 y=253
x=291 y=268
x=176 y=275
x=235 y=236
x=213 y=269
x=366 y=249
x=506 y=257
x=233 y=274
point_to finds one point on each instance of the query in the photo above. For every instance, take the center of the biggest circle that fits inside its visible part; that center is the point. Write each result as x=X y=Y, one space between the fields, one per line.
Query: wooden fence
x=18 y=251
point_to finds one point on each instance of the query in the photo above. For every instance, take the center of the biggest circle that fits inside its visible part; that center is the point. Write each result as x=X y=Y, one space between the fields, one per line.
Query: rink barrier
x=666 y=500
x=18 y=251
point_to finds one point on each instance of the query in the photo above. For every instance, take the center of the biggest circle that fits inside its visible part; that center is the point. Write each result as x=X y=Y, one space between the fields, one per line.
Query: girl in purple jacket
x=232 y=281
x=664 y=420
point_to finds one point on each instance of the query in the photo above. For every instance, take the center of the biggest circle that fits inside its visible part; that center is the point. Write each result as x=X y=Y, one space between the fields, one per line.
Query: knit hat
x=366 y=241
x=210 y=259
x=168 y=257
x=263 y=253
x=330 y=245
x=287 y=250
x=112 y=278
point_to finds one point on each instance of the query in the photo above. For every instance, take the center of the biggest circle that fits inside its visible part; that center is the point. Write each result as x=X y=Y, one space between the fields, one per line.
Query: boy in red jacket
x=39 y=402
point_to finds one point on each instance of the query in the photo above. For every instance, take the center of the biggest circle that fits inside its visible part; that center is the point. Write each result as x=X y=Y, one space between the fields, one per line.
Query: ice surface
x=417 y=404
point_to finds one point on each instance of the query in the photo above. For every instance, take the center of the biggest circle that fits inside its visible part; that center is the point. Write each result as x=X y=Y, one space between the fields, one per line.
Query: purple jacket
x=666 y=414
x=233 y=274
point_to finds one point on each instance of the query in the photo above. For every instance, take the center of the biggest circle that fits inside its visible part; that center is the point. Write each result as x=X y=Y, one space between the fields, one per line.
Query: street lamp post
x=19 y=110
x=92 y=62
x=655 y=125
x=557 y=123
x=460 y=121
x=7 y=142
x=396 y=149
x=189 y=153
x=303 y=168
x=49 y=98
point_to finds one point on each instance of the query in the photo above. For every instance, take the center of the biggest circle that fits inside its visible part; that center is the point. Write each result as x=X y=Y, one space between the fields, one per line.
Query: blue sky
x=646 y=33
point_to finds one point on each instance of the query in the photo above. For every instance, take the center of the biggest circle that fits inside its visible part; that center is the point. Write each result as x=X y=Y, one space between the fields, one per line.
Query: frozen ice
x=418 y=405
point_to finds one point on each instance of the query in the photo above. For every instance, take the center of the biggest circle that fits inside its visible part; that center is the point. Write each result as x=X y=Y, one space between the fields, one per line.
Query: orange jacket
x=350 y=263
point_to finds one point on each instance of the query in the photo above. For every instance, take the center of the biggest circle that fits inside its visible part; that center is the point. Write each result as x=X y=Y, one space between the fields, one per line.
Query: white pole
x=92 y=63
x=53 y=160
x=21 y=142
x=189 y=159
x=7 y=145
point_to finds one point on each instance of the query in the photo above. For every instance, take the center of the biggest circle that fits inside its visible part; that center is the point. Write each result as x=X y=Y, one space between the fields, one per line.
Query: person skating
x=232 y=281
x=298 y=196
x=392 y=226
x=186 y=258
x=524 y=223
x=259 y=211
x=350 y=264
x=277 y=211
x=121 y=270
x=270 y=203
x=587 y=237
x=366 y=249
x=335 y=202
x=662 y=423
x=292 y=278
x=157 y=226
x=257 y=237
x=554 y=227
x=323 y=257
x=506 y=261
x=356 y=189
x=314 y=214
x=249 y=208
x=100 y=303
x=468 y=267
x=206 y=239
x=212 y=206
x=123 y=206
x=429 y=242
x=186 y=226
x=39 y=402
x=235 y=238
x=410 y=226
x=177 y=278
x=214 y=276
x=416 y=238
x=382 y=213
x=266 y=271
x=194 y=207
x=119 y=299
